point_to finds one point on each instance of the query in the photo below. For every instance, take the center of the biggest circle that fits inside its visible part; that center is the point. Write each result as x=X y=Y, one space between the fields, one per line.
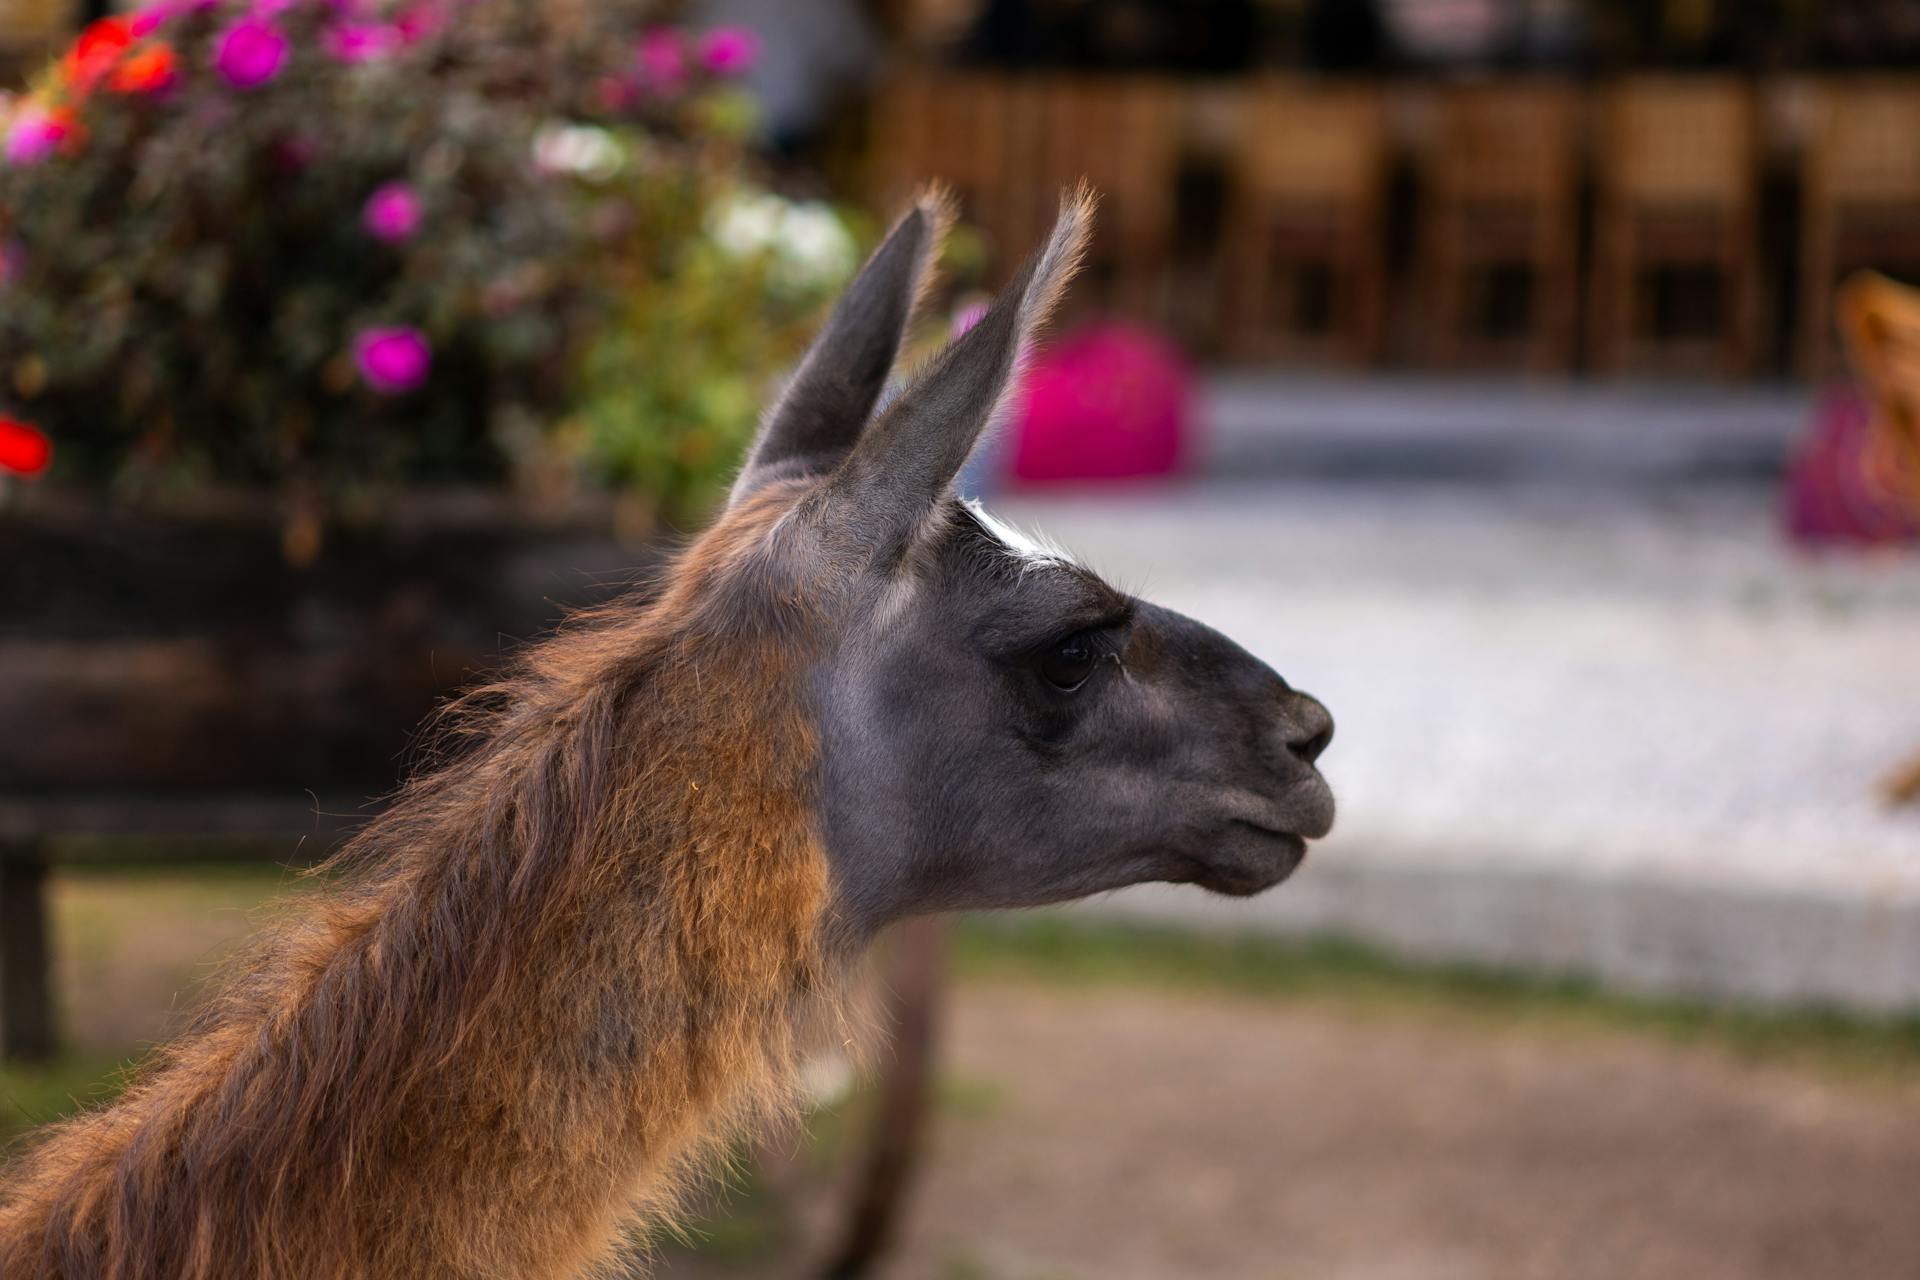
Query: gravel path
x=1130 y=1136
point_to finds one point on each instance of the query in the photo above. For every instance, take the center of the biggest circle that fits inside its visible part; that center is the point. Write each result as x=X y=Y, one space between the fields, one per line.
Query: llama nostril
x=1310 y=749
x=1310 y=728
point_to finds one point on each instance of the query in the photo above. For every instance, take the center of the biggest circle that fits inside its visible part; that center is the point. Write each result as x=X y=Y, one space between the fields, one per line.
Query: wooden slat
x=1501 y=184
x=1308 y=183
x=295 y=825
x=26 y=988
x=1677 y=174
x=1862 y=196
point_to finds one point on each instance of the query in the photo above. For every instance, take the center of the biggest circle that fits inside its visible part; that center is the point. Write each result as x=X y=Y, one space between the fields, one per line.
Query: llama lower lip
x=1252 y=859
x=1292 y=839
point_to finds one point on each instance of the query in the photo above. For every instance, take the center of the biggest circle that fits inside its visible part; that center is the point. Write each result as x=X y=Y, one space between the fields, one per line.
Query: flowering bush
x=669 y=392
x=338 y=244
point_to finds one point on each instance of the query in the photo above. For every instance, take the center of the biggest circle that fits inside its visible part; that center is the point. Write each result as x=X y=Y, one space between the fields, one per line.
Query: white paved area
x=1578 y=729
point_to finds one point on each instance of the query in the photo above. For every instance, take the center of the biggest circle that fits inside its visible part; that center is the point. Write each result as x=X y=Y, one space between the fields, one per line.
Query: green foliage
x=670 y=391
x=35 y=1094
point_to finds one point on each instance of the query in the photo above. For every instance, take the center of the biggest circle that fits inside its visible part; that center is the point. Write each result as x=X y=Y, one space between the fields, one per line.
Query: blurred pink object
x=1110 y=402
x=967 y=317
x=250 y=53
x=1843 y=486
x=146 y=21
x=356 y=42
x=392 y=213
x=417 y=23
x=393 y=361
x=729 y=51
x=662 y=61
x=37 y=133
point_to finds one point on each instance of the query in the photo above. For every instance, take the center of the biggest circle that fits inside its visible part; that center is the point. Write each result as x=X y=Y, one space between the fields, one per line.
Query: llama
x=583 y=950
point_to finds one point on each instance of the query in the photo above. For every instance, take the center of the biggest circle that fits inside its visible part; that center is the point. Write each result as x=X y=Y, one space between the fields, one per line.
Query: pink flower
x=353 y=42
x=251 y=52
x=393 y=360
x=150 y=19
x=36 y=134
x=613 y=93
x=392 y=213
x=729 y=51
x=416 y=24
x=662 y=60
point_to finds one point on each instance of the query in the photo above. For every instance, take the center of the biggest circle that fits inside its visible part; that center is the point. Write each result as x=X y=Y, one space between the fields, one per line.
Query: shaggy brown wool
x=561 y=968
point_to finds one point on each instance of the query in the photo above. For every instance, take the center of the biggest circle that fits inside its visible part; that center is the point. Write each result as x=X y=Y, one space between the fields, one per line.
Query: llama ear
x=907 y=460
x=825 y=405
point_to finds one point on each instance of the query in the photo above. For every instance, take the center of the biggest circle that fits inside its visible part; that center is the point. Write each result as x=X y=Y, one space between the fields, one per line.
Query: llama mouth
x=1292 y=841
x=1251 y=859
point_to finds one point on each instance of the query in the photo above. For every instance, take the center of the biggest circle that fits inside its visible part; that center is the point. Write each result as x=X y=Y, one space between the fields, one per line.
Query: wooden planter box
x=146 y=653
x=170 y=675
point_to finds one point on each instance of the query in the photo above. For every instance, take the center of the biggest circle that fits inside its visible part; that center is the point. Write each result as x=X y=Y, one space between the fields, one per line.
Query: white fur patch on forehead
x=1021 y=545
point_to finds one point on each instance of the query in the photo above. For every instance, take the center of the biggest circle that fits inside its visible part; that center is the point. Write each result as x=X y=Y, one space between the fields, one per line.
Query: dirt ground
x=1133 y=1131
x=1121 y=1133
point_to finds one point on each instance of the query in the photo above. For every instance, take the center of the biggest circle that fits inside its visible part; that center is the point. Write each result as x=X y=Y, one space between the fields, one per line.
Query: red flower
x=23 y=447
x=152 y=70
x=96 y=52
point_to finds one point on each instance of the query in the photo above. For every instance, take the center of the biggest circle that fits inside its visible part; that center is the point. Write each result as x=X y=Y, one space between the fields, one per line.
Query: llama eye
x=1068 y=664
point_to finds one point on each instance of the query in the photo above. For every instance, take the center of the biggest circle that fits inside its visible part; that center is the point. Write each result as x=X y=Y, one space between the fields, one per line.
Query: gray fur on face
x=998 y=726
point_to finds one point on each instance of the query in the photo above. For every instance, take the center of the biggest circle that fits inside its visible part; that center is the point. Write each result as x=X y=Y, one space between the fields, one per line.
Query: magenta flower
x=36 y=134
x=353 y=42
x=729 y=51
x=416 y=24
x=392 y=213
x=150 y=19
x=662 y=60
x=393 y=360
x=250 y=53
x=613 y=93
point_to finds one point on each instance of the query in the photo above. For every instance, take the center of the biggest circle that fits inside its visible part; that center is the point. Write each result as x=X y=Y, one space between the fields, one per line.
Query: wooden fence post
x=916 y=972
x=26 y=991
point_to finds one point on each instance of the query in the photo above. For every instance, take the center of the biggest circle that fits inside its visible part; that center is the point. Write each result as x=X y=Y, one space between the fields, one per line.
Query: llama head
x=996 y=725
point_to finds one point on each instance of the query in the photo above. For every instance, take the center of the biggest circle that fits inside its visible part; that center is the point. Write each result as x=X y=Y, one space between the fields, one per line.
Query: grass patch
x=33 y=1095
x=1073 y=952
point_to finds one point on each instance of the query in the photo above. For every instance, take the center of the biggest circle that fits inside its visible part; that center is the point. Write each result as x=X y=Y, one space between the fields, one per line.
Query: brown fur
x=566 y=963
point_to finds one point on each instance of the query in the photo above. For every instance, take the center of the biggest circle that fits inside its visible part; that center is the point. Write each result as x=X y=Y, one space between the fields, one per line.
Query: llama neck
x=575 y=959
